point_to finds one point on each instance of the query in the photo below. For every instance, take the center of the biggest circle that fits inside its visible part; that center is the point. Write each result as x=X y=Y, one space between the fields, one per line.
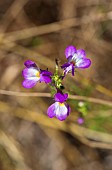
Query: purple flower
x=32 y=74
x=76 y=59
x=60 y=108
x=80 y=120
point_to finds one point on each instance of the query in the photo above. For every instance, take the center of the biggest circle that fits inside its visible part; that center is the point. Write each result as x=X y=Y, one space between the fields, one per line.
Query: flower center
x=73 y=62
x=61 y=104
x=38 y=74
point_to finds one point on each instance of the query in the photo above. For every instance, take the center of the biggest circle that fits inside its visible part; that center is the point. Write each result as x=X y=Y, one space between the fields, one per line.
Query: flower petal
x=73 y=70
x=46 y=73
x=29 y=63
x=65 y=96
x=69 y=51
x=65 y=65
x=45 y=76
x=31 y=78
x=29 y=83
x=60 y=97
x=81 y=53
x=51 y=112
x=69 y=109
x=69 y=68
x=61 y=111
x=78 y=55
x=45 y=79
x=29 y=72
x=83 y=63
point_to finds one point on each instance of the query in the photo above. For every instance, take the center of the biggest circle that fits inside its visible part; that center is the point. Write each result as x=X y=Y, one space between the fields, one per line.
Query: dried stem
x=12 y=147
x=11 y=14
x=53 y=27
x=76 y=97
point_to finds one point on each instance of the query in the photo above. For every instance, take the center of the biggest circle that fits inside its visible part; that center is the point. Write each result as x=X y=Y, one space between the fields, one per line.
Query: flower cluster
x=32 y=75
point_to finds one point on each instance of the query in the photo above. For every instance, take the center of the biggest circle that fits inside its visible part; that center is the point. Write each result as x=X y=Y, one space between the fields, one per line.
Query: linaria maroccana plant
x=32 y=75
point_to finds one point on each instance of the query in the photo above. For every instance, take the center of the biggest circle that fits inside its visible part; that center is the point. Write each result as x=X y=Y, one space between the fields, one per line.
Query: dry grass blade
x=91 y=99
x=101 y=140
x=71 y=152
x=94 y=144
x=11 y=14
x=104 y=90
x=90 y=134
x=7 y=77
x=98 y=87
x=76 y=97
x=12 y=148
x=17 y=49
x=54 y=27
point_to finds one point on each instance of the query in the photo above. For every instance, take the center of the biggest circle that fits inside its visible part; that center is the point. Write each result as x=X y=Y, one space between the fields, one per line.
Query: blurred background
x=40 y=30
